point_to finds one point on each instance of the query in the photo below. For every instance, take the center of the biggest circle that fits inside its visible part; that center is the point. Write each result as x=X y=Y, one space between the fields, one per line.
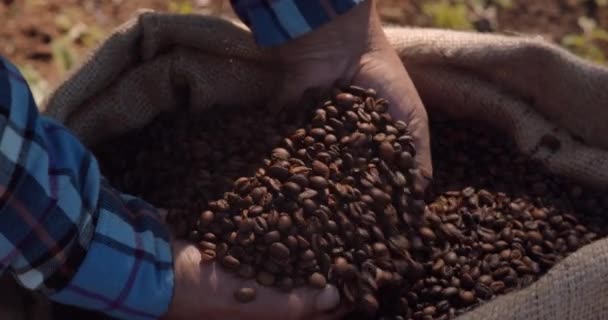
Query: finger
x=328 y=299
x=406 y=105
x=418 y=126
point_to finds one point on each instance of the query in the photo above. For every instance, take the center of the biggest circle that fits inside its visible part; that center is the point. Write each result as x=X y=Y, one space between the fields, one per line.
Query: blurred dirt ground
x=46 y=38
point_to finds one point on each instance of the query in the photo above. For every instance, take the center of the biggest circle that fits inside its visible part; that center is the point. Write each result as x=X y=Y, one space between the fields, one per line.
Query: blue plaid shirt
x=63 y=230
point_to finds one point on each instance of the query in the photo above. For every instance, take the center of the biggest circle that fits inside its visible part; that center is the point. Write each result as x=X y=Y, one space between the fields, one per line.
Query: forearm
x=276 y=22
x=64 y=231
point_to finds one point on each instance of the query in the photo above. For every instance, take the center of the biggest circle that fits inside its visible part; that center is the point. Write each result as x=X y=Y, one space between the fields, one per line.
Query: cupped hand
x=204 y=290
x=353 y=50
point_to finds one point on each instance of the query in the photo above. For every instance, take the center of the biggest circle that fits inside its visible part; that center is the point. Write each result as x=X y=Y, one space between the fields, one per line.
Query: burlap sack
x=522 y=85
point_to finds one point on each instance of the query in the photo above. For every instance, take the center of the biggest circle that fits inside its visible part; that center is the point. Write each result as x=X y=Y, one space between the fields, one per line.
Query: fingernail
x=328 y=299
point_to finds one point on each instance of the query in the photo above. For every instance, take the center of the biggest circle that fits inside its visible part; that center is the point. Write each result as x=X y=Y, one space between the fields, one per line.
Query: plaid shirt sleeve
x=63 y=230
x=274 y=22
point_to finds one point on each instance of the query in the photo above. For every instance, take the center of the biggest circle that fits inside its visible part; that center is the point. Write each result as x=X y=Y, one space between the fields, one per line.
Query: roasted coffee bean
x=318 y=183
x=369 y=304
x=320 y=168
x=284 y=224
x=466 y=297
x=317 y=280
x=265 y=278
x=272 y=236
x=279 y=251
x=230 y=262
x=245 y=295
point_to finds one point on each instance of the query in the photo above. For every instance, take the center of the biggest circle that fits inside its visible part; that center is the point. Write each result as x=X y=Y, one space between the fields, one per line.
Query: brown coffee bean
x=467 y=297
x=483 y=291
x=272 y=236
x=534 y=237
x=206 y=217
x=278 y=172
x=320 y=168
x=230 y=262
x=265 y=278
x=317 y=280
x=344 y=100
x=497 y=287
x=427 y=234
x=206 y=245
x=280 y=154
x=279 y=251
x=369 y=304
x=379 y=196
x=318 y=183
x=284 y=224
x=449 y=292
x=291 y=189
x=467 y=281
x=299 y=179
x=387 y=152
x=380 y=250
x=245 y=295
x=208 y=255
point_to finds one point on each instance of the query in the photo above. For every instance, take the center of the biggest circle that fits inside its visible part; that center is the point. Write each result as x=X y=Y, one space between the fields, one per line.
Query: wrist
x=351 y=34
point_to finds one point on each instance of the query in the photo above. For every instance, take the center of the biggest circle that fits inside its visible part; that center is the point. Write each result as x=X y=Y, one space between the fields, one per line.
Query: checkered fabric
x=63 y=229
x=274 y=22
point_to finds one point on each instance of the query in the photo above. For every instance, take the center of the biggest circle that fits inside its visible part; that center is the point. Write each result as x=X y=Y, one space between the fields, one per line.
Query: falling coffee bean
x=245 y=295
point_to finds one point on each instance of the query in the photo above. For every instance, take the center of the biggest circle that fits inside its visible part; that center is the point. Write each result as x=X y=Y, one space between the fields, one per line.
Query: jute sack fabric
x=524 y=86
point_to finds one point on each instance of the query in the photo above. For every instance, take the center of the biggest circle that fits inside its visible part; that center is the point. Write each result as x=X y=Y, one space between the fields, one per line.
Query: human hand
x=203 y=290
x=353 y=50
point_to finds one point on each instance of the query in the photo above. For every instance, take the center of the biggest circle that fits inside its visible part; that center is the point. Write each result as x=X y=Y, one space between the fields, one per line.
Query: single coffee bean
x=427 y=234
x=279 y=251
x=318 y=183
x=369 y=304
x=320 y=168
x=206 y=217
x=344 y=100
x=265 y=278
x=284 y=224
x=230 y=262
x=317 y=280
x=280 y=154
x=449 y=292
x=291 y=189
x=467 y=297
x=245 y=295
x=272 y=236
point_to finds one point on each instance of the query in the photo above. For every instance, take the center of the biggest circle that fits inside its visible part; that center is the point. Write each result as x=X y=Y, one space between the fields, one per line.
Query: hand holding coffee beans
x=300 y=201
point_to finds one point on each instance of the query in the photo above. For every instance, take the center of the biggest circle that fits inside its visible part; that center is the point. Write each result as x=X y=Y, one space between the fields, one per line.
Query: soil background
x=46 y=38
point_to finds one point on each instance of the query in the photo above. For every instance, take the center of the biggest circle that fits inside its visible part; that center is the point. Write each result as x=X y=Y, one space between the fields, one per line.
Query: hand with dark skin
x=205 y=291
x=352 y=49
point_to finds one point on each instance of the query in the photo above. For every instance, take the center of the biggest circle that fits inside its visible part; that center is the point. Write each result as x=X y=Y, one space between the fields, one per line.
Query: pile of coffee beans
x=330 y=203
x=494 y=222
x=324 y=196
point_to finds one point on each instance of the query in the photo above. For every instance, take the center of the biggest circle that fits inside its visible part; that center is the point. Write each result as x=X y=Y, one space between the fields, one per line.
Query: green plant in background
x=39 y=86
x=74 y=33
x=180 y=6
x=447 y=14
x=587 y=44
